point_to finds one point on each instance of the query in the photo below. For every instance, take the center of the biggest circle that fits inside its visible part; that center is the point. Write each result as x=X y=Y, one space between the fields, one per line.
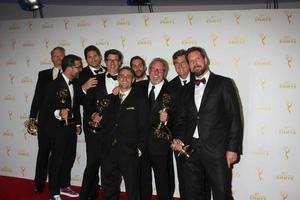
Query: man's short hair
x=137 y=58
x=59 y=49
x=126 y=68
x=114 y=52
x=163 y=61
x=200 y=50
x=91 y=48
x=69 y=61
x=178 y=53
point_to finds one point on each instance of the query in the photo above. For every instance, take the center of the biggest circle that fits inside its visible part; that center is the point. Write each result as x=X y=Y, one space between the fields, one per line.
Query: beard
x=200 y=70
x=139 y=74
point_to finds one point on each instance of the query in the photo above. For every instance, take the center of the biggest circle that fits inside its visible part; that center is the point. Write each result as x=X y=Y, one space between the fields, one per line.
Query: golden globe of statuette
x=31 y=126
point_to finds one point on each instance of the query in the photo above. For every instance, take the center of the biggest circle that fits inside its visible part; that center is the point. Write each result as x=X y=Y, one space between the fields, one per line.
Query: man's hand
x=177 y=145
x=231 y=158
x=92 y=82
x=163 y=116
x=116 y=90
x=64 y=113
x=96 y=118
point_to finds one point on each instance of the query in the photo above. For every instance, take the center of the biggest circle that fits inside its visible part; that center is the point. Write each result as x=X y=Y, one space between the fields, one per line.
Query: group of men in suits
x=134 y=123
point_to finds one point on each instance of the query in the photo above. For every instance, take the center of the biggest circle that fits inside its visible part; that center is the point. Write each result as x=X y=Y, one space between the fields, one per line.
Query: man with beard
x=209 y=120
x=60 y=116
x=138 y=65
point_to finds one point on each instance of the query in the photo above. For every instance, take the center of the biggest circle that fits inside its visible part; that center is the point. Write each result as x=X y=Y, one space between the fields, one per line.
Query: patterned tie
x=121 y=97
x=152 y=96
x=198 y=81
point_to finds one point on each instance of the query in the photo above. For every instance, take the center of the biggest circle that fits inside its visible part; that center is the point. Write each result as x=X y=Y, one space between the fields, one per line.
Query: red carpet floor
x=12 y=188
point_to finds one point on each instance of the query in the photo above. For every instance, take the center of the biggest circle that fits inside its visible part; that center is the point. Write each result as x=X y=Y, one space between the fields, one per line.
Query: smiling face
x=93 y=59
x=125 y=78
x=181 y=66
x=113 y=64
x=56 y=57
x=157 y=72
x=138 y=68
x=198 y=63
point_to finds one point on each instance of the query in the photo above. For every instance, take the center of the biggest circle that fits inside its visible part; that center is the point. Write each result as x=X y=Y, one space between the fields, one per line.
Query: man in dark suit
x=96 y=142
x=131 y=125
x=60 y=116
x=208 y=119
x=44 y=78
x=138 y=65
x=158 y=155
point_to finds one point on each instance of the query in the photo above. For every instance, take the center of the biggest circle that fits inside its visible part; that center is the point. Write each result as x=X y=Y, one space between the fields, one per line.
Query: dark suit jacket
x=218 y=119
x=44 y=78
x=176 y=86
x=94 y=94
x=52 y=103
x=131 y=124
x=159 y=146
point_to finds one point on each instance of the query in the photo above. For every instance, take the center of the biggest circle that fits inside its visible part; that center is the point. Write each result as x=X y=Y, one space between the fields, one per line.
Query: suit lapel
x=210 y=83
x=158 y=100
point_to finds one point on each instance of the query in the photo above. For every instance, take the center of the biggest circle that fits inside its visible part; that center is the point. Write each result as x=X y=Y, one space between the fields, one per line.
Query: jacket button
x=116 y=124
x=198 y=117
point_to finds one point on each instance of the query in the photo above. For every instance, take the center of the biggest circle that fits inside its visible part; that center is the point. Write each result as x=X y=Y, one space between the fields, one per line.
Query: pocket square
x=130 y=108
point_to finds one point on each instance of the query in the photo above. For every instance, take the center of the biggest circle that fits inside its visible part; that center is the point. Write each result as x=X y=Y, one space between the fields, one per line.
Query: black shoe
x=38 y=190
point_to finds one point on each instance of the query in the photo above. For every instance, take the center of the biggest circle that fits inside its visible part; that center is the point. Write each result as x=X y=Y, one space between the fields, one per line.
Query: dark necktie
x=115 y=77
x=152 y=96
x=198 y=81
x=121 y=96
x=184 y=82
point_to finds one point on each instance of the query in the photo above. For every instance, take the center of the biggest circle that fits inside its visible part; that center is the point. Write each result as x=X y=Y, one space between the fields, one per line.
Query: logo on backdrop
x=263 y=18
x=289 y=16
x=104 y=21
x=167 y=39
x=123 y=22
x=263 y=62
x=30 y=25
x=284 y=176
x=257 y=196
x=8 y=151
x=214 y=38
x=214 y=20
x=189 y=41
x=262 y=38
x=287 y=40
x=14 y=27
x=289 y=60
x=287 y=85
x=236 y=40
x=263 y=129
x=263 y=83
x=102 y=42
x=25 y=133
x=8 y=133
x=123 y=40
x=289 y=106
x=286 y=150
x=28 y=59
x=46 y=43
x=11 y=78
x=237 y=18
x=237 y=62
x=47 y=25
x=144 y=41
x=13 y=44
x=83 y=24
x=66 y=23
x=167 y=21
x=26 y=96
x=190 y=19
x=287 y=131
x=64 y=43
x=82 y=41
x=284 y=196
x=23 y=169
x=259 y=173
x=146 y=20
x=9 y=112
x=9 y=98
